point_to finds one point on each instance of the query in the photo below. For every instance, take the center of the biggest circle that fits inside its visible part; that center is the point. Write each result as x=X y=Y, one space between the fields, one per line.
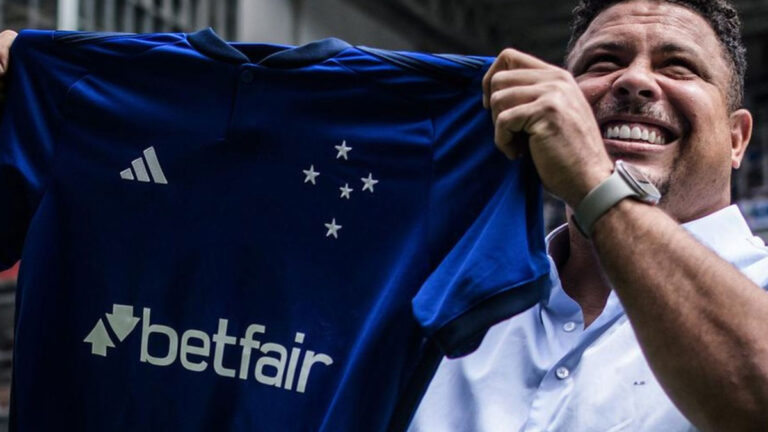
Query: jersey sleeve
x=495 y=266
x=44 y=66
x=37 y=80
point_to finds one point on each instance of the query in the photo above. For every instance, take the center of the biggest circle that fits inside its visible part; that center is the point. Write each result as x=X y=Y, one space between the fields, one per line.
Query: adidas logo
x=140 y=169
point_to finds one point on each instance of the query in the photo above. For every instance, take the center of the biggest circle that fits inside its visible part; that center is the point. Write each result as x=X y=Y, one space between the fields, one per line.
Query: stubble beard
x=651 y=110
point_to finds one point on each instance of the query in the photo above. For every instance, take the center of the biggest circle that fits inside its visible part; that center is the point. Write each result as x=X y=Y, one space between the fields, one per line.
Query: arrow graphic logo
x=122 y=322
x=99 y=339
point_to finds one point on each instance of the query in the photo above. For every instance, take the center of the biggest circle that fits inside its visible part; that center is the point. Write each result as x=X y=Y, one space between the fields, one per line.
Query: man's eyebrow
x=606 y=46
x=610 y=46
x=673 y=48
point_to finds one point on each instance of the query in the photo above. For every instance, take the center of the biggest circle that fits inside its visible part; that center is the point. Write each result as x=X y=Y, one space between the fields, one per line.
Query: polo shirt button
x=562 y=372
x=569 y=326
x=247 y=77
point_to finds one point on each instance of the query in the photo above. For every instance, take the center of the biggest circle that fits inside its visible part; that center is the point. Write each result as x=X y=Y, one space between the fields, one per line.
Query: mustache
x=651 y=110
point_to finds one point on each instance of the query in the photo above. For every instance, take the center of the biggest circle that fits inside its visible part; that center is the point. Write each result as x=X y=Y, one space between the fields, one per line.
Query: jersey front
x=242 y=237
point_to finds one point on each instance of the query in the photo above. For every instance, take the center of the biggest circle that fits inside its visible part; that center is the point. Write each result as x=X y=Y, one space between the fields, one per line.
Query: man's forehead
x=663 y=25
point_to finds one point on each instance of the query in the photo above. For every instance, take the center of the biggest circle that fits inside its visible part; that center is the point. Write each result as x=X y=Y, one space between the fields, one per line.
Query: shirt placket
x=568 y=342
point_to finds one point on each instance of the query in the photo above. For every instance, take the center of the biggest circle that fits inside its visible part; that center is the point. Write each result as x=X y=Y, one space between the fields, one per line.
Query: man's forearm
x=702 y=325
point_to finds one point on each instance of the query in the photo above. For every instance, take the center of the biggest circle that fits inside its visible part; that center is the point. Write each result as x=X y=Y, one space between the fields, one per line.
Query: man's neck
x=580 y=273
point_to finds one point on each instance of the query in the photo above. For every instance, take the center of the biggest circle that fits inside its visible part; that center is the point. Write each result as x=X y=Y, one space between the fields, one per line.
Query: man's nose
x=637 y=82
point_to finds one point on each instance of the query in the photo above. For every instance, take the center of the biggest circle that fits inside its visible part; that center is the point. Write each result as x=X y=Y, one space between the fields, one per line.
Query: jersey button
x=569 y=326
x=562 y=372
x=247 y=77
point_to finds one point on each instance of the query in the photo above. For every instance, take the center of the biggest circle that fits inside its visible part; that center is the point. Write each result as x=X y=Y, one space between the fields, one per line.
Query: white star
x=345 y=190
x=311 y=174
x=343 y=149
x=369 y=182
x=332 y=229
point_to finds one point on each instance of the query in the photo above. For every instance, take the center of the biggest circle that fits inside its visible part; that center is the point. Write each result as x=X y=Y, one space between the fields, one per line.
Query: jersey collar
x=209 y=43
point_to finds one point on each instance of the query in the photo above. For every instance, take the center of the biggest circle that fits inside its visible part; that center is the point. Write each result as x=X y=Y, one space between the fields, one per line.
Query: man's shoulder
x=727 y=233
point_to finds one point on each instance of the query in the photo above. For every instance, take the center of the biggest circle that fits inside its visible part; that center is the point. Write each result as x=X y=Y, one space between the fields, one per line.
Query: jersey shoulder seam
x=412 y=63
x=76 y=37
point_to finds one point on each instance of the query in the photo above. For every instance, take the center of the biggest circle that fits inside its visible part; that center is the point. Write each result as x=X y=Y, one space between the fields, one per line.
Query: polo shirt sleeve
x=495 y=265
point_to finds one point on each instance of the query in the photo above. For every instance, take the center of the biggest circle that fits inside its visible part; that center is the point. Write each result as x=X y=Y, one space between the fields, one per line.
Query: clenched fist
x=528 y=95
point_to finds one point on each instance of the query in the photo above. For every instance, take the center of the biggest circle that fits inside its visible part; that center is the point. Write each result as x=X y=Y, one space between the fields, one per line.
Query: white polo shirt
x=540 y=371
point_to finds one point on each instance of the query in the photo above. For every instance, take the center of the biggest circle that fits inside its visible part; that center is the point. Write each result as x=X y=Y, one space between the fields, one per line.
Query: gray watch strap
x=599 y=200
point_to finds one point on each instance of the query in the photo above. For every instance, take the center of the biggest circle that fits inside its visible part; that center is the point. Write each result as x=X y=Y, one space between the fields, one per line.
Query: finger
x=6 y=40
x=510 y=59
x=510 y=97
x=523 y=77
x=511 y=125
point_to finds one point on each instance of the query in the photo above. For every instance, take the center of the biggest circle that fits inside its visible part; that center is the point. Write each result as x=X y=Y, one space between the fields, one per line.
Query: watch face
x=639 y=182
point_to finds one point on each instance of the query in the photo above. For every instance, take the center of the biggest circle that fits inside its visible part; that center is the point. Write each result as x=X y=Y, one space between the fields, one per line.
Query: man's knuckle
x=8 y=34
x=508 y=53
x=498 y=81
x=505 y=117
x=497 y=100
x=552 y=86
x=548 y=101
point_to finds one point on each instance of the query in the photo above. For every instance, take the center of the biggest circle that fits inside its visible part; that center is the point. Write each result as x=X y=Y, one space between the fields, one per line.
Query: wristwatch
x=625 y=182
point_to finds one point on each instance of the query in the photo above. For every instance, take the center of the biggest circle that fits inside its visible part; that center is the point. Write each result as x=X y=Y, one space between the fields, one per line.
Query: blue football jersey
x=251 y=237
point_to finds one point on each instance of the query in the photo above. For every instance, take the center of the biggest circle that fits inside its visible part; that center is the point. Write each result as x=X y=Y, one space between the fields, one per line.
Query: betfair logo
x=122 y=322
x=273 y=365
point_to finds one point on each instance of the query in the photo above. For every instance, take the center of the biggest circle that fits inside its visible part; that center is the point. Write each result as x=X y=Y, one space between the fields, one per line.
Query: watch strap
x=599 y=200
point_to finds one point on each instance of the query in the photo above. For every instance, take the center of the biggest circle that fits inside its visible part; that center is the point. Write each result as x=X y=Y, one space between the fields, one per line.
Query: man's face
x=657 y=79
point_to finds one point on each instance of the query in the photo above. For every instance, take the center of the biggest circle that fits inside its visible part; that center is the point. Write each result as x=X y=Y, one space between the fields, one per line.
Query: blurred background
x=458 y=26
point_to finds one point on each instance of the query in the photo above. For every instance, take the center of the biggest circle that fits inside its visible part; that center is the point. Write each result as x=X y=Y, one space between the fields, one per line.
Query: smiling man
x=650 y=325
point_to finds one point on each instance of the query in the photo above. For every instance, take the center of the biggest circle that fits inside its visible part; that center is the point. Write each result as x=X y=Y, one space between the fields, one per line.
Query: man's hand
x=528 y=95
x=6 y=40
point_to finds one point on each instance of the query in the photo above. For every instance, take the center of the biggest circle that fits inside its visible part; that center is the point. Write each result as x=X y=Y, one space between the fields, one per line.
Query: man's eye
x=680 y=67
x=603 y=62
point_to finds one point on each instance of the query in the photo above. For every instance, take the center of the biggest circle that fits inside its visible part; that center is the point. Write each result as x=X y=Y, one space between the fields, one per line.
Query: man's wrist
x=591 y=180
x=625 y=182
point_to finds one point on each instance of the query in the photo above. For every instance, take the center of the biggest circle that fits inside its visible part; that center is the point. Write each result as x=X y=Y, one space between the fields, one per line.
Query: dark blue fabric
x=206 y=291
x=208 y=43
x=276 y=56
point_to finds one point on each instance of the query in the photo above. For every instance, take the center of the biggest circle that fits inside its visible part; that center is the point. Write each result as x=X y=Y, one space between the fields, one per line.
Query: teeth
x=624 y=132
x=634 y=133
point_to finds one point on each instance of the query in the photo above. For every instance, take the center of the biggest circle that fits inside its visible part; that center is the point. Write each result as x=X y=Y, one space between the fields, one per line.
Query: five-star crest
x=343 y=150
x=345 y=191
x=368 y=182
x=311 y=177
x=311 y=174
x=333 y=229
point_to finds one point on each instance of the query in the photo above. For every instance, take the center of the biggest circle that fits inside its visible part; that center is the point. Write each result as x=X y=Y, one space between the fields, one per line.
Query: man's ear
x=741 y=132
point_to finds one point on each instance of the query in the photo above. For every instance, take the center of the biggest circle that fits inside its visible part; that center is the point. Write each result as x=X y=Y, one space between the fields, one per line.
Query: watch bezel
x=639 y=182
